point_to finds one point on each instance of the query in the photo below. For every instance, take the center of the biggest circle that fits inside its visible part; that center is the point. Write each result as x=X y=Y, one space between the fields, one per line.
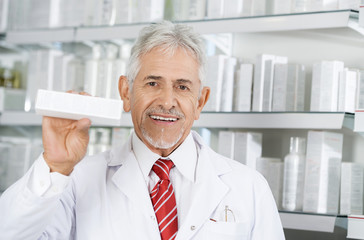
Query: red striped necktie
x=164 y=201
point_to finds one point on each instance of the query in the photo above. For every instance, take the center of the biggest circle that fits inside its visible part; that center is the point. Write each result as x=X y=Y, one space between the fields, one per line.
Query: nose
x=167 y=98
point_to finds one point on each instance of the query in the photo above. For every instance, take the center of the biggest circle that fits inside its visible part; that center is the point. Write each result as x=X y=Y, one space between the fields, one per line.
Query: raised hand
x=65 y=142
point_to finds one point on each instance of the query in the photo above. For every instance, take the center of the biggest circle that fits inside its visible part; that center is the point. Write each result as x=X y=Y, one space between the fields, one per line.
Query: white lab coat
x=107 y=198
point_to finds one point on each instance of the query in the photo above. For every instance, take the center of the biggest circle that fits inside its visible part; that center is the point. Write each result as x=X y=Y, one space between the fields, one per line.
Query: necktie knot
x=162 y=167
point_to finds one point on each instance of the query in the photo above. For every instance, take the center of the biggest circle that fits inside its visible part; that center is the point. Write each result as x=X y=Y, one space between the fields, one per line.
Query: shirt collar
x=184 y=157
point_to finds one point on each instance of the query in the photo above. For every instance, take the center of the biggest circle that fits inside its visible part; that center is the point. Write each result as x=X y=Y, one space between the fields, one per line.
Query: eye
x=152 y=84
x=183 y=87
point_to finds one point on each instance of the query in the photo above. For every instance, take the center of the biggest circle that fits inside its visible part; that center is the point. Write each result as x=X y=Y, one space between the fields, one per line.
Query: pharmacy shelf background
x=332 y=23
x=286 y=22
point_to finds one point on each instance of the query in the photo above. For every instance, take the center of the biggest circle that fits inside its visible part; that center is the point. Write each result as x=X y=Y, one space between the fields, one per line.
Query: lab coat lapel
x=129 y=179
x=209 y=192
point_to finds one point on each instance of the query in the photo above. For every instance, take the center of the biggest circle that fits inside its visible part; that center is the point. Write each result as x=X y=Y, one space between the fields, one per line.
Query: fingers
x=84 y=93
x=81 y=93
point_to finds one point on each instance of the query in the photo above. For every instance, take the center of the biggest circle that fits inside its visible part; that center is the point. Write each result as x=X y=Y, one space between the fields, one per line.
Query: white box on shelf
x=322 y=172
x=243 y=88
x=226 y=144
x=76 y=106
x=248 y=147
x=360 y=90
x=227 y=90
x=269 y=81
x=325 y=86
x=214 y=79
x=258 y=85
x=351 y=190
x=347 y=91
x=289 y=87
x=298 y=73
x=11 y=99
x=272 y=170
x=268 y=86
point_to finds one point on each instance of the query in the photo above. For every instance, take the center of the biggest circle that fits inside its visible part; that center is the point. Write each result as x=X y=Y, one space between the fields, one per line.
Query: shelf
x=269 y=23
x=40 y=36
x=286 y=120
x=312 y=222
x=19 y=118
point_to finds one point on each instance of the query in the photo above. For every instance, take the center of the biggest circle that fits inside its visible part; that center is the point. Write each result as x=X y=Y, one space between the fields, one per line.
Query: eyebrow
x=152 y=77
x=186 y=81
x=180 y=80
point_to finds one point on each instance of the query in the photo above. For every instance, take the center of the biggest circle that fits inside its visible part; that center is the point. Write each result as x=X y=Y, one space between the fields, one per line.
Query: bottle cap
x=297 y=145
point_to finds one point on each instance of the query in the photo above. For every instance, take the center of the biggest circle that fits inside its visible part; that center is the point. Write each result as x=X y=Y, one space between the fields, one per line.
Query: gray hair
x=169 y=37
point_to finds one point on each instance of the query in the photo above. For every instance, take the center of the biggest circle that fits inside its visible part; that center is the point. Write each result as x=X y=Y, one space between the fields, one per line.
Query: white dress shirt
x=182 y=176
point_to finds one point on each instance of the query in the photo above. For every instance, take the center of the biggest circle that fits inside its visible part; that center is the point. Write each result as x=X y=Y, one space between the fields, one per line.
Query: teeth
x=163 y=118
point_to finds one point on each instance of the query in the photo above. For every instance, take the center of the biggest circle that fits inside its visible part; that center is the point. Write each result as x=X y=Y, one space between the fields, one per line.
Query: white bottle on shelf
x=119 y=68
x=107 y=82
x=91 y=71
x=293 y=175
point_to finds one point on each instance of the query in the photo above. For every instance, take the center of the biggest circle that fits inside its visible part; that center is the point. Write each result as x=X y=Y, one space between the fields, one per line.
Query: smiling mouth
x=164 y=119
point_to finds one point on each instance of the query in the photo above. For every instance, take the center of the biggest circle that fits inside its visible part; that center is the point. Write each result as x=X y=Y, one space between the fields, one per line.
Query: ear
x=124 y=92
x=205 y=94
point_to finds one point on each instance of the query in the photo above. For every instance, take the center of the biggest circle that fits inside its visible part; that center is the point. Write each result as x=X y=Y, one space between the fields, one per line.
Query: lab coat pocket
x=226 y=231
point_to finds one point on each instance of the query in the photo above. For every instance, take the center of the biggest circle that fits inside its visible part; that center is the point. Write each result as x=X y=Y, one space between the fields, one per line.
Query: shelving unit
x=286 y=22
x=330 y=22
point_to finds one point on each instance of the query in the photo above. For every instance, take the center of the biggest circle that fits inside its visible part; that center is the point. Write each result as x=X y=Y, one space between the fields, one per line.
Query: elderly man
x=164 y=183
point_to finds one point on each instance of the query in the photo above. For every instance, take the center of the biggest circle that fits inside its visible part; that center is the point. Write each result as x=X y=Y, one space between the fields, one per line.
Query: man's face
x=164 y=100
